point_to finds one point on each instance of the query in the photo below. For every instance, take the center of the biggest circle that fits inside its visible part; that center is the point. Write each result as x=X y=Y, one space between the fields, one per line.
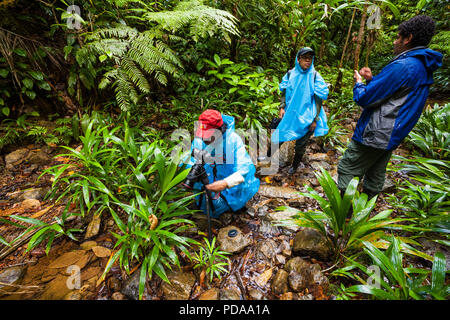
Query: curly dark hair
x=421 y=27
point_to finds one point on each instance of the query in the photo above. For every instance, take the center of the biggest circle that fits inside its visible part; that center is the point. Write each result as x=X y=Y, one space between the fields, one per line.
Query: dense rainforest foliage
x=110 y=80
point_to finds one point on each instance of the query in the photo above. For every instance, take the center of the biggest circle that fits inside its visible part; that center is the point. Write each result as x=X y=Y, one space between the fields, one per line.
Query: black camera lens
x=232 y=233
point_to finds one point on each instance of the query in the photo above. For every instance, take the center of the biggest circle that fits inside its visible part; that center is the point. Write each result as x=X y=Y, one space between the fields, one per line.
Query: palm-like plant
x=344 y=234
x=393 y=281
x=431 y=134
x=211 y=259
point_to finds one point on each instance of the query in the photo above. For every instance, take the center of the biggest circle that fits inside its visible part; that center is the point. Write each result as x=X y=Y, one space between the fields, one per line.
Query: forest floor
x=263 y=253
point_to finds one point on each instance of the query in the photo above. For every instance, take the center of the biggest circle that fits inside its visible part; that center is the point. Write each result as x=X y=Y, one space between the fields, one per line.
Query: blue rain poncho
x=234 y=159
x=300 y=105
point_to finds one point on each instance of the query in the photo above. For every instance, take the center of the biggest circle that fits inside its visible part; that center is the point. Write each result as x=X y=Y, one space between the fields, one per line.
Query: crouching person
x=229 y=168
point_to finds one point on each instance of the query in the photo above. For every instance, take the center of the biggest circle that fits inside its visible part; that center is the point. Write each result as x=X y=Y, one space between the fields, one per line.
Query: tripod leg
x=209 y=210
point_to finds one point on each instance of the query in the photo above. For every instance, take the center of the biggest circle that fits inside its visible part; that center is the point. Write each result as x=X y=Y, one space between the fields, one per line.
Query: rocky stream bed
x=267 y=261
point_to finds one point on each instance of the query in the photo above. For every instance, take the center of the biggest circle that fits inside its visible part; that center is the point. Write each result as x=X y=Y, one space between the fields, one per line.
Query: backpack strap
x=317 y=100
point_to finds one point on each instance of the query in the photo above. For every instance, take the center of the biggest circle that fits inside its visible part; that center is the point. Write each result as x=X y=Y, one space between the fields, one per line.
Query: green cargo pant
x=363 y=161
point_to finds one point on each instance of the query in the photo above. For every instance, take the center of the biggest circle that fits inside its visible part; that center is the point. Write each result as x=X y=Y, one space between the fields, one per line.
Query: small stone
x=267 y=249
x=229 y=294
x=311 y=242
x=118 y=296
x=318 y=157
x=35 y=193
x=298 y=281
x=15 y=158
x=114 y=284
x=180 y=286
x=288 y=296
x=211 y=294
x=280 y=282
x=296 y=264
x=255 y=294
x=232 y=243
x=11 y=276
x=131 y=287
x=38 y=157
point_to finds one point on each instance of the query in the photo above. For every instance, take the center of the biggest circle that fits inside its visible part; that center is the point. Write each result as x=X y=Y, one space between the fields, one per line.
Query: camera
x=198 y=172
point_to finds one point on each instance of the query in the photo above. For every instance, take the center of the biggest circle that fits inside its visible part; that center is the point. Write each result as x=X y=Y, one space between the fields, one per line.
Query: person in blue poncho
x=392 y=102
x=303 y=90
x=231 y=173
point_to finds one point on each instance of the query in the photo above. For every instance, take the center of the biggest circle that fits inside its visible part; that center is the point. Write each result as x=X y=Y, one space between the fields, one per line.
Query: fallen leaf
x=101 y=252
x=40 y=213
x=264 y=277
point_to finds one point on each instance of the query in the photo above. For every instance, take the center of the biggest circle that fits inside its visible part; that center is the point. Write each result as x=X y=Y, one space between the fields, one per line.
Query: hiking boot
x=292 y=170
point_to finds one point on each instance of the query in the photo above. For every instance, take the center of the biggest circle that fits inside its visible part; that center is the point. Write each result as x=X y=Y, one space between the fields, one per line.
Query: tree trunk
x=360 y=38
x=337 y=85
x=371 y=38
x=322 y=45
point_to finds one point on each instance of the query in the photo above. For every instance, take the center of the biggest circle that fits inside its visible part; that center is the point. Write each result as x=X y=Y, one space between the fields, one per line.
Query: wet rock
x=389 y=185
x=306 y=297
x=93 y=227
x=73 y=295
x=11 y=276
x=255 y=294
x=76 y=257
x=298 y=281
x=296 y=264
x=38 y=157
x=118 y=296
x=321 y=164
x=229 y=294
x=211 y=294
x=318 y=157
x=131 y=287
x=180 y=286
x=280 y=282
x=34 y=193
x=267 y=229
x=114 y=284
x=232 y=243
x=267 y=249
x=312 y=243
x=278 y=192
x=15 y=158
x=285 y=218
x=285 y=248
x=288 y=296
x=101 y=252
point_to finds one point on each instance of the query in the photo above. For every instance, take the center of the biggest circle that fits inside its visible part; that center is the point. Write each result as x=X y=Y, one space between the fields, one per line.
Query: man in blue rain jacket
x=392 y=103
x=303 y=89
x=232 y=173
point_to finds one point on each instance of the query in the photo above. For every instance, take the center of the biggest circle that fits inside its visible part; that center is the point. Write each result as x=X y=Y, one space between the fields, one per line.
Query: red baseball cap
x=208 y=121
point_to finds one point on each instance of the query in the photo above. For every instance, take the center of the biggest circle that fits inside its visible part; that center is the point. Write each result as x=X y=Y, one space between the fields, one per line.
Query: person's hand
x=313 y=125
x=282 y=112
x=357 y=77
x=217 y=186
x=366 y=73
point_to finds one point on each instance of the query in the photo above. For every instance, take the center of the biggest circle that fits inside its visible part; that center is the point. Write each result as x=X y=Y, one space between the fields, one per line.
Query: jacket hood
x=432 y=60
x=297 y=65
x=229 y=120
